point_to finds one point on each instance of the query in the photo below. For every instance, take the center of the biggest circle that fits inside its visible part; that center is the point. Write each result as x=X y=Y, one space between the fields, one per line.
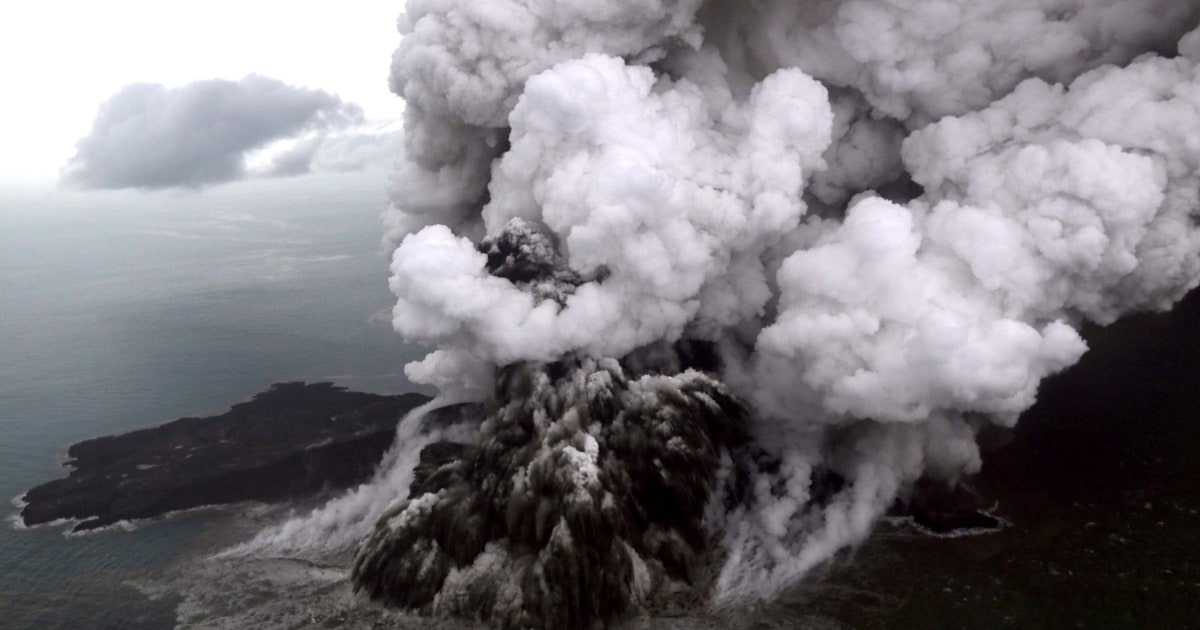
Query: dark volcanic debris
x=586 y=491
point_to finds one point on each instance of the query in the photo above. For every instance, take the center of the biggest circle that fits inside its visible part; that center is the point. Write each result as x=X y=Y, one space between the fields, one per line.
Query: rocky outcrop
x=292 y=440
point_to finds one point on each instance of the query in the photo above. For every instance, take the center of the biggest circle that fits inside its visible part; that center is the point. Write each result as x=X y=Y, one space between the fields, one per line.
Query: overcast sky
x=61 y=60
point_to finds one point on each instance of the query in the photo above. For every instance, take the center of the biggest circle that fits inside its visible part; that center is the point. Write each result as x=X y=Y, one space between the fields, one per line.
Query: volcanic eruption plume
x=730 y=277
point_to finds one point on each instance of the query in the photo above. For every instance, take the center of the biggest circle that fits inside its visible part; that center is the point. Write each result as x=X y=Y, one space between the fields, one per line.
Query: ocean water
x=120 y=310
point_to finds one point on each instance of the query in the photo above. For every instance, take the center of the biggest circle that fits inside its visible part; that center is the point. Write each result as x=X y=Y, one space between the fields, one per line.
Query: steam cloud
x=153 y=136
x=879 y=223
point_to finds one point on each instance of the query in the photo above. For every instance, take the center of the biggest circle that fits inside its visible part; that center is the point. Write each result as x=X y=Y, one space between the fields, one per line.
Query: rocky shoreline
x=292 y=440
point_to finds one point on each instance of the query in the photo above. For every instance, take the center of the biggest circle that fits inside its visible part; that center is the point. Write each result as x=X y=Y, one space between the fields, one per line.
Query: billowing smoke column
x=732 y=276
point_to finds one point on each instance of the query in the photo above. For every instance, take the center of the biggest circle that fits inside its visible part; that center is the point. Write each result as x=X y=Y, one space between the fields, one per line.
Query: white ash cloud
x=460 y=68
x=887 y=218
x=698 y=206
x=919 y=60
x=151 y=136
x=369 y=146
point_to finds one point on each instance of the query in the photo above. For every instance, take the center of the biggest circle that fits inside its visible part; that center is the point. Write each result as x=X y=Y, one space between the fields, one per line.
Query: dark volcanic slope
x=291 y=440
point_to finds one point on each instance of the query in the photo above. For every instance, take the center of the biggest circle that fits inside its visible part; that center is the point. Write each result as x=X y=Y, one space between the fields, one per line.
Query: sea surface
x=121 y=310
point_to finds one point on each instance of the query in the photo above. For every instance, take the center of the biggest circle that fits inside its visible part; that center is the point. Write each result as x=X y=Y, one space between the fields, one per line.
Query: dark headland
x=290 y=441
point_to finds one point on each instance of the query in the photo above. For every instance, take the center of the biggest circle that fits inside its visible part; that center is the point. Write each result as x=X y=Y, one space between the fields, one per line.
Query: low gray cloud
x=371 y=145
x=153 y=136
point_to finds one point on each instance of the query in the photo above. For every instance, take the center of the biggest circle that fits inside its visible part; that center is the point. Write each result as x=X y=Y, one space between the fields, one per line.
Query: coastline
x=291 y=440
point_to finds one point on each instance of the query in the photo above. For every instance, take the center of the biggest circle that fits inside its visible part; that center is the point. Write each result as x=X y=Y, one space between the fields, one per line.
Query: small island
x=292 y=440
